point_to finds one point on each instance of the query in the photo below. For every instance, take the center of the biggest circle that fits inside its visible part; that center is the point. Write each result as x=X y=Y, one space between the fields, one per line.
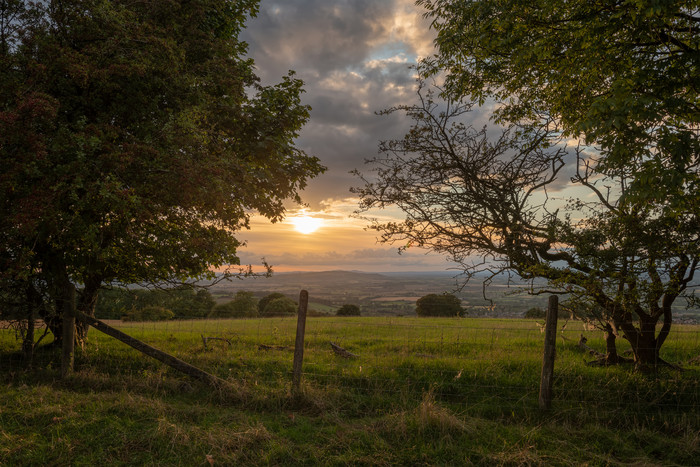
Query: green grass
x=421 y=392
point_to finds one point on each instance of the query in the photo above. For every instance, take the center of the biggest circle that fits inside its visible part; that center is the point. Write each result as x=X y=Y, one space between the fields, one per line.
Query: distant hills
x=383 y=293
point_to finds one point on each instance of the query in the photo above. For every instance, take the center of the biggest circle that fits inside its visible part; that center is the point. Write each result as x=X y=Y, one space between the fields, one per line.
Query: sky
x=354 y=57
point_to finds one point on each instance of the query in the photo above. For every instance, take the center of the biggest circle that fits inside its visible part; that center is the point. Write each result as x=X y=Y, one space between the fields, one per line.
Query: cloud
x=354 y=57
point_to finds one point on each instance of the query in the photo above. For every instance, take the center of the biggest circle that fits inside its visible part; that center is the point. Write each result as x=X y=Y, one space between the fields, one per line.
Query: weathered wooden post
x=550 y=342
x=68 y=335
x=299 y=343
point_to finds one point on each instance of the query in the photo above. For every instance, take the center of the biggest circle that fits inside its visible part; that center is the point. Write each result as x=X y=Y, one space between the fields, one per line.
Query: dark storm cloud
x=315 y=36
x=354 y=58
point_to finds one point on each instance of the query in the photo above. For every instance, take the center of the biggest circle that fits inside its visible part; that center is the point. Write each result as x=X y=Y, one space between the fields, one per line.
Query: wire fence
x=479 y=365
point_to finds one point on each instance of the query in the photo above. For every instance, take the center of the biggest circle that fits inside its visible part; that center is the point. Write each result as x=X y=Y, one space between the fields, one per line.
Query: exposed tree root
x=604 y=360
x=601 y=358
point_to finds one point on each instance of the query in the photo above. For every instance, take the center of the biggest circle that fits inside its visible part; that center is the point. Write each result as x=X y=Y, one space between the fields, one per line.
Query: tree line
x=189 y=303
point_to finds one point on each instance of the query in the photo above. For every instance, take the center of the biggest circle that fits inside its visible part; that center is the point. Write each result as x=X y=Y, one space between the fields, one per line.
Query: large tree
x=508 y=202
x=135 y=142
x=623 y=76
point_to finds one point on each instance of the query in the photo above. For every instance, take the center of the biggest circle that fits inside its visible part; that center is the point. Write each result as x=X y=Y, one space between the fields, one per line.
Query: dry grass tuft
x=432 y=417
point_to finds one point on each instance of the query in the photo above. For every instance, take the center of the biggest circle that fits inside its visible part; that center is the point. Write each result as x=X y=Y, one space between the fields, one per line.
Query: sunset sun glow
x=306 y=224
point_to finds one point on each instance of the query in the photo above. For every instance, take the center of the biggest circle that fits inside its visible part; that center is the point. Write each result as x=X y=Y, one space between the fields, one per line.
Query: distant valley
x=386 y=293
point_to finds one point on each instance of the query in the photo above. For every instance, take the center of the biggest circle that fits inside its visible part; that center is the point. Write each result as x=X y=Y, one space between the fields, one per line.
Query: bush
x=267 y=299
x=439 y=305
x=348 y=310
x=243 y=305
x=184 y=302
x=535 y=313
x=281 y=307
x=149 y=313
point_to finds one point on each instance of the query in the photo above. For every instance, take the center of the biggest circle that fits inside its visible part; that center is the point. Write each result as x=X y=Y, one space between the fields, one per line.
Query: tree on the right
x=593 y=183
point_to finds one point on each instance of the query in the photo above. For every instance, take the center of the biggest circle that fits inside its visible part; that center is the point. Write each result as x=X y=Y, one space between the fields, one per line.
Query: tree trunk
x=86 y=307
x=34 y=303
x=68 y=315
x=611 y=357
x=643 y=341
x=28 y=341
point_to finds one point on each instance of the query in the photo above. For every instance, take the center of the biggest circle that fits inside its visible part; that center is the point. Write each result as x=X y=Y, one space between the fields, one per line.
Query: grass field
x=420 y=392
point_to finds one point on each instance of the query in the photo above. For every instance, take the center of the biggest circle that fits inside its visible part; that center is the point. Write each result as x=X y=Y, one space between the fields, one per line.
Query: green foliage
x=148 y=313
x=536 y=313
x=267 y=299
x=184 y=302
x=445 y=304
x=622 y=74
x=244 y=305
x=135 y=139
x=280 y=307
x=348 y=310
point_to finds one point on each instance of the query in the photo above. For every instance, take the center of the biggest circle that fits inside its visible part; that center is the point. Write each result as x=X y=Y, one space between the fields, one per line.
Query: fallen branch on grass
x=207 y=339
x=342 y=352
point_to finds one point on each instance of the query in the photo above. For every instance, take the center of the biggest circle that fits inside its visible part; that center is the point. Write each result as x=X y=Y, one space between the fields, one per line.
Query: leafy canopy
x=136 y=141
x=622 y=74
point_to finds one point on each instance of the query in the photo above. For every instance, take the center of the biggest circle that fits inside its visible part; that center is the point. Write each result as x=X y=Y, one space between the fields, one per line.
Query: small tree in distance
x=244 y=305
x=445 y=304
x=535 y=313
x=348 y=310
x=262 y=304
x=283 y=306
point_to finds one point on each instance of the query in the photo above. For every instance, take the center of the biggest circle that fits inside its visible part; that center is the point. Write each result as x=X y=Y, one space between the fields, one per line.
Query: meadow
x=421 y=391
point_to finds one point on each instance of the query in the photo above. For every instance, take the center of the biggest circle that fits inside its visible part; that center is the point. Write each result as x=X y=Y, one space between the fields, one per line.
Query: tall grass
x=430 y=391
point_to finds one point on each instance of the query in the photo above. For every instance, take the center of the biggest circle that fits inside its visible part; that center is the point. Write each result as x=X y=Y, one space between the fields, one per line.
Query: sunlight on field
x=466 y=381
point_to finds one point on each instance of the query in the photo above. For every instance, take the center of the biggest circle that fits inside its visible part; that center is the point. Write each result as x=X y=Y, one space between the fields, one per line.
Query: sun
x=306 y=224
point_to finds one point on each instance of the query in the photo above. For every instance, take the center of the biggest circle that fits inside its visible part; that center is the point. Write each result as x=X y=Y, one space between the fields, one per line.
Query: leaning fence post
x=299 y=344
x=550 y=342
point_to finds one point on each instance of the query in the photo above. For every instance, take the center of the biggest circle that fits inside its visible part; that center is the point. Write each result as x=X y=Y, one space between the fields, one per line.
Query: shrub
x=267 y=299
x=536 y=313
x=280 y=307
x=243 y=305
x=348 y=310
x=149 y=313
x=439 y=305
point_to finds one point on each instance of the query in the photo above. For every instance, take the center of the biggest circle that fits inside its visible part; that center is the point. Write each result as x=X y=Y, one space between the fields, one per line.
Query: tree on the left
x=135 y=142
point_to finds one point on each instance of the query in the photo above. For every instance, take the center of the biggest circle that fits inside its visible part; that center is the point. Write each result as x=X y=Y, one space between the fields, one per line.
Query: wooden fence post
x=299 y=343
x=550 y=342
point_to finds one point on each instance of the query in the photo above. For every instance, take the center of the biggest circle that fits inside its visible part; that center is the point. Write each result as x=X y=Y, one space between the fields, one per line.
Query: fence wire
x=481 y=365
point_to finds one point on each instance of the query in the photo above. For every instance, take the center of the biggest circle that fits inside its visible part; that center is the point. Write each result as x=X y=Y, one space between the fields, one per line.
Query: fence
x=483 y=366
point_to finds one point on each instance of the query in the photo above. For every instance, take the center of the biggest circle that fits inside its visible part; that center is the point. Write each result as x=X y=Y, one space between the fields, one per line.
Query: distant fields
x=422 y=391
